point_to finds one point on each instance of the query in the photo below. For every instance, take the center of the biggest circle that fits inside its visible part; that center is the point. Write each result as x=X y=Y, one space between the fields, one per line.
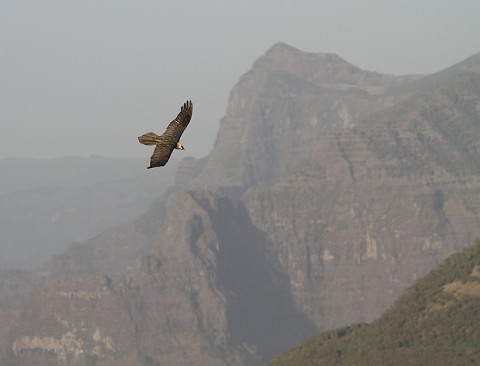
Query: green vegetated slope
x=435 y=322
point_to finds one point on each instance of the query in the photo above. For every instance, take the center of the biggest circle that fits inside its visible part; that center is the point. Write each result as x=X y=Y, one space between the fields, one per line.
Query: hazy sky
x=86 y=77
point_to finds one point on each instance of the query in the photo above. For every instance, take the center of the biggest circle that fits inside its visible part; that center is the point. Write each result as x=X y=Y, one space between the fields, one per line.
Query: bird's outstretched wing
x=179 y=124
x=160 y=156
x=166 y=143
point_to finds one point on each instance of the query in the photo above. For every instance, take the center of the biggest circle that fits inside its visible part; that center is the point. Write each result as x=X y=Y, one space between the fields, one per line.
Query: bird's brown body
x=170 y=140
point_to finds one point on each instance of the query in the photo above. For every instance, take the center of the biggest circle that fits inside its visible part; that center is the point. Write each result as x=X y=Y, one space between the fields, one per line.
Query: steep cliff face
x=220 y=295
x=207 y=294
x=378 y=205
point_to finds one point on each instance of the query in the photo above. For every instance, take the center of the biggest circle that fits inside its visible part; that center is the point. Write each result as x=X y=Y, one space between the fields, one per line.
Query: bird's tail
x=150 y=138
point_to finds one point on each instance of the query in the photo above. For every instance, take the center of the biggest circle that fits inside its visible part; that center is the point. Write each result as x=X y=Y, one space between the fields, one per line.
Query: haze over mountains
x=45 y=205
x=328 y=191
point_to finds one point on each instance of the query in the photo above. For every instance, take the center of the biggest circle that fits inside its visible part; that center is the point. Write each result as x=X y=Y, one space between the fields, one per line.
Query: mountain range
x=329 y=190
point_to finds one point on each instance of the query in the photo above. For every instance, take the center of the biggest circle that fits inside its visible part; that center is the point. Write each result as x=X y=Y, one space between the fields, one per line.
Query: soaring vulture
x=170 y=139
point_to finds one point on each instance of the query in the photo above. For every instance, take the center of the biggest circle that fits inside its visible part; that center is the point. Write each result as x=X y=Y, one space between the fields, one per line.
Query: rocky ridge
x=278 y=110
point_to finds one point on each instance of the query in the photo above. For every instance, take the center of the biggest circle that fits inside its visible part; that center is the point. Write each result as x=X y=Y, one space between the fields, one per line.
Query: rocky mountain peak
x=322 y=66
x=471 y=63
x=280 y=107
x=307 y=65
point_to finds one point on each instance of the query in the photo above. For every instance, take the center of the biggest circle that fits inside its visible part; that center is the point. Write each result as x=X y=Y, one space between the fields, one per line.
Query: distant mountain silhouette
x=46 y=205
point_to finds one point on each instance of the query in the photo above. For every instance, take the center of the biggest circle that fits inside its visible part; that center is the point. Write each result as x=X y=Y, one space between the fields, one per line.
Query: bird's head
x=179 y=146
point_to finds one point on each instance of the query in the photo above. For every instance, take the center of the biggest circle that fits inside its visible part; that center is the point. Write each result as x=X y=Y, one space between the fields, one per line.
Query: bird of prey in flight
x=170 y=140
